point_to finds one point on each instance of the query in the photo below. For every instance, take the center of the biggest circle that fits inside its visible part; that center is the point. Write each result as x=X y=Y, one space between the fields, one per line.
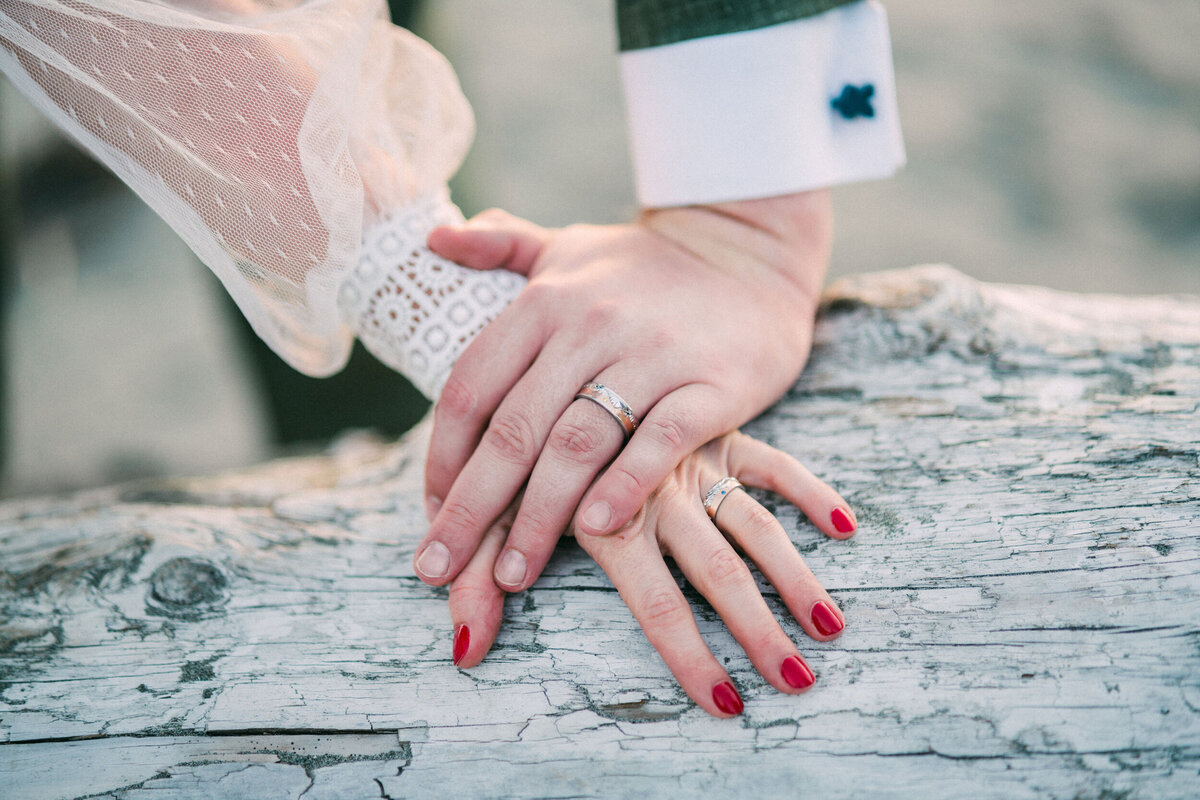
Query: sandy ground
x=1051 y=143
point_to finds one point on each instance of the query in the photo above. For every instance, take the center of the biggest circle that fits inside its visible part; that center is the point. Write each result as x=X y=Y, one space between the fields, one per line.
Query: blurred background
x=1048 y=143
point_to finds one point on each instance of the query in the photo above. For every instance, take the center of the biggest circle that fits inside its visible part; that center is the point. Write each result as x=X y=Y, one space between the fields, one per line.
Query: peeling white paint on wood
x=1023 y=598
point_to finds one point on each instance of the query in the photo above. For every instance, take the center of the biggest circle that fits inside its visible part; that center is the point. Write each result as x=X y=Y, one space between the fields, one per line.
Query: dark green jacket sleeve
x=650 y=23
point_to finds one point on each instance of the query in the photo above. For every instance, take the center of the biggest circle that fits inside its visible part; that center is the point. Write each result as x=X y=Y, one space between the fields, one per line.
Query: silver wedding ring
x=717 y=494
x=611 y=402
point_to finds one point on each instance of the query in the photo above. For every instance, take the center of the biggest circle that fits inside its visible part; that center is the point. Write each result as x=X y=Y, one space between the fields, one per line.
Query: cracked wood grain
x=1021 y=599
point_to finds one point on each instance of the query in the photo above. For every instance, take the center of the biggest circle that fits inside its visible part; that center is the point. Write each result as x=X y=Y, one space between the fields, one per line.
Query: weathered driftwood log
x=1022 y=598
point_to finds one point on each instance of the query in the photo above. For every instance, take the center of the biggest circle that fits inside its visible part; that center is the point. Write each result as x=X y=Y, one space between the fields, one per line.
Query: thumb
x=490 y=240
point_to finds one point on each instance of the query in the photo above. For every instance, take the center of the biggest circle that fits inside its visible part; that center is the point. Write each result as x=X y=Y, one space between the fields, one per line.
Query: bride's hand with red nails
x=698 y=318
x=673 y=523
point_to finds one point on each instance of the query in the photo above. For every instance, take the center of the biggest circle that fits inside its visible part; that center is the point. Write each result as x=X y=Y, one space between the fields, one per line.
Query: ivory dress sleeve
x=301 y=148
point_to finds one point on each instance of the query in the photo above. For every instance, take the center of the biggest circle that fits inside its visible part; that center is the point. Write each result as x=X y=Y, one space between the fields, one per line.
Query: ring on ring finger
x=611 y=402
x=770 y=548
x=717 y=494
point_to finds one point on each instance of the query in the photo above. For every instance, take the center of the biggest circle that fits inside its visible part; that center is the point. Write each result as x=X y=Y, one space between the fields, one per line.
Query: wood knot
x=187 y=588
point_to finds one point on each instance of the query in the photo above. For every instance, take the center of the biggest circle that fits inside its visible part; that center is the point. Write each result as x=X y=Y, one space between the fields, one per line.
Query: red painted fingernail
x=825 y=620
x=727 y=698
x=796 y=673
x=462 y=642
x=842 y=521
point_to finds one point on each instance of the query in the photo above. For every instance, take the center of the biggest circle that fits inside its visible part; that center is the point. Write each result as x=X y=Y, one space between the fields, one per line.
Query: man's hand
x=699 y=317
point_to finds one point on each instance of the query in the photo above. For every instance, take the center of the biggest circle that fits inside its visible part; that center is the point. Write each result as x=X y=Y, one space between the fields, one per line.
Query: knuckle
x=539 y=294
x=458 y=400
x=460 y=516
x=474 y=593
x=602 y=316
x=627 y=483
x=540 y=527
x=725 y=569
x=574 y=441
x=760 y=523
x=662 y=607
x=510 y=436
x=662 y=340
x=768 y=640
x=669 y=431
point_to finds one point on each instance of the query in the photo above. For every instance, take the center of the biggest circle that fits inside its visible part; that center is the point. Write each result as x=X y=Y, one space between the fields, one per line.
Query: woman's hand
x=698 y=317
x=674 y=523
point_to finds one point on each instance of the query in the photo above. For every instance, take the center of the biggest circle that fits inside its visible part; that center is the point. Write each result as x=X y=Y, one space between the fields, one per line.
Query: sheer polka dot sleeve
x=300 y=148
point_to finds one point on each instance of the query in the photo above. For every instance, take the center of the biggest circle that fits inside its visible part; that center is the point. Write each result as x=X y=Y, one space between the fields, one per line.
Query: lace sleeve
x=277 y=137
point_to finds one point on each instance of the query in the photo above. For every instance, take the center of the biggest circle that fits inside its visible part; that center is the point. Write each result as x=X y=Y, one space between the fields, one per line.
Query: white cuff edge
x=700 y=133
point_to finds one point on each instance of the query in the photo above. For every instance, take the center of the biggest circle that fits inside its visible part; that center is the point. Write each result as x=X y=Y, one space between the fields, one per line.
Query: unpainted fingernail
x=796 y=673
x=434 y=561
x=727 y=698
x=825 y=620
x=510 y=571
x=597 y=517
x=462 y=642
x=432 y=504
x=842 y=521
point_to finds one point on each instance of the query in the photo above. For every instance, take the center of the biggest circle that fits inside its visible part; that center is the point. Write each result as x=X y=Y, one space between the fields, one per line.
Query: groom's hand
x=697 y=317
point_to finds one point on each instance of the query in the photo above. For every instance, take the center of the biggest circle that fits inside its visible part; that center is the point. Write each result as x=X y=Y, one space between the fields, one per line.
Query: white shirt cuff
x=787 y=108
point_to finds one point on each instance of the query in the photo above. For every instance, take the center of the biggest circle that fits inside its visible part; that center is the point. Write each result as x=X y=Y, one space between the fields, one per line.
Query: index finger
x=481 y=378
x=495 y=472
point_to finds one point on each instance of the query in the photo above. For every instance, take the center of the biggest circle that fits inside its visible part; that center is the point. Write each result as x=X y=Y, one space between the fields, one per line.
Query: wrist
x=784 y=241
x=412 y=309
